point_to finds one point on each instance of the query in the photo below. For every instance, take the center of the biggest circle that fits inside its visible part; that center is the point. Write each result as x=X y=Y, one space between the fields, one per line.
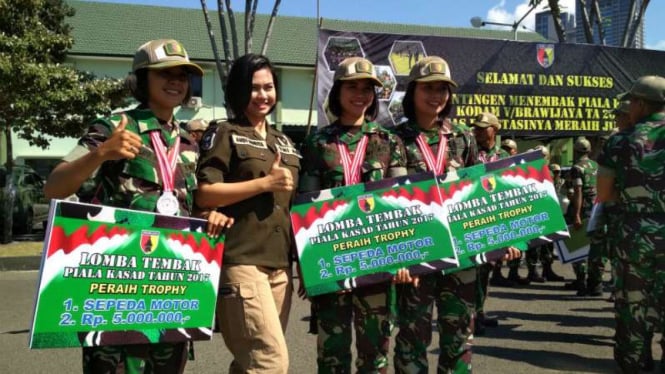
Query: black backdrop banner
x=536 y=89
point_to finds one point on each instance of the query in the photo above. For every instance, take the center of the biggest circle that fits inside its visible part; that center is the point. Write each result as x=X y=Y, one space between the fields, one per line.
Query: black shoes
x=500 y=281
x=534 y=277
x=591 y=291
x=481 y=322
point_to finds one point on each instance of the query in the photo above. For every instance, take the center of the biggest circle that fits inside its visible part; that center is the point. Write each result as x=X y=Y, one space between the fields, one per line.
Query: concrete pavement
x=542 y=329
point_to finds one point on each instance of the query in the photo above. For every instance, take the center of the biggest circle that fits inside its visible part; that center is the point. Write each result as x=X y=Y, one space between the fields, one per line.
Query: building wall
x=293 y=108
x=545 y=25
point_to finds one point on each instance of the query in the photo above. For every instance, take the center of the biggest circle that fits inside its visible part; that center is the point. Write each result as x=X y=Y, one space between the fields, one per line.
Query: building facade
x=615 y=14
x=106 y=36
x=545 y=25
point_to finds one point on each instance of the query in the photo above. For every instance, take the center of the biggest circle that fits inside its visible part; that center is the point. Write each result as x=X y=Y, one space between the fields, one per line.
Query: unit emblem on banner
x=545 y=54
x=366 y=203
x=149 y=241
x=488 y=183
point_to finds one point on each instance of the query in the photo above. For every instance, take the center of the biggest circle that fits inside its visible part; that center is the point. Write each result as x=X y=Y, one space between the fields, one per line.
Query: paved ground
x=543 y=329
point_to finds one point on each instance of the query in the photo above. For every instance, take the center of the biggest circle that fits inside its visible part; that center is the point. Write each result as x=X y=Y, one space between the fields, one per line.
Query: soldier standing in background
x=196 y=128
x=497 y=279
x=543 y=253
x=485 y=128
x=583 y=176
x=631 y=175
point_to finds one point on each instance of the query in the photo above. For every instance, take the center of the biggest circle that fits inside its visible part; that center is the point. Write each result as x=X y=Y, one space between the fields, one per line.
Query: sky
x=447 y=13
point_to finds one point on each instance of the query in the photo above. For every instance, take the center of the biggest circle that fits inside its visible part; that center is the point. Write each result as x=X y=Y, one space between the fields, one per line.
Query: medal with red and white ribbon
x=353 y=165
x=167 y=161
x=484 y=159
x=438 y=164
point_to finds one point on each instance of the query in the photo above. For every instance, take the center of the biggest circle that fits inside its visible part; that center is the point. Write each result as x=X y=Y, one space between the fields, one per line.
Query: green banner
x=115 y=276
x=509 y=202
x=358 y=235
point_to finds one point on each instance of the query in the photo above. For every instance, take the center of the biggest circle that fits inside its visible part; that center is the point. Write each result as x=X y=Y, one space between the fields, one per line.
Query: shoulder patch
x=208 y=140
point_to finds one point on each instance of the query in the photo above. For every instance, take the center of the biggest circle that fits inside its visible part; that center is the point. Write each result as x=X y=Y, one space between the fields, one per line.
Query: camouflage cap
x=354 y=68
x=544 y=150
x=487 y=119
x=582 y=145
x=431 y=69
x=163 y=54
x=555 y=167
x=622 y=108
x=196 y=125
x=509 y=143
x=649 y=87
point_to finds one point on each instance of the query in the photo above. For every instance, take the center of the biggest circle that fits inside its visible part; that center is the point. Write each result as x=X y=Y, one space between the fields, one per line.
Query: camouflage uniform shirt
x=384 y=156
x=583 y=173
x=462 y=149
x=635 y=158
x=137 y=183
x=489 y=155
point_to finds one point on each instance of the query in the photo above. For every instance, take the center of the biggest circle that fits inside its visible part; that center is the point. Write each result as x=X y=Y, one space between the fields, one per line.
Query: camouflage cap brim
x=358 y=76
x=190 y=66
x=437 y=78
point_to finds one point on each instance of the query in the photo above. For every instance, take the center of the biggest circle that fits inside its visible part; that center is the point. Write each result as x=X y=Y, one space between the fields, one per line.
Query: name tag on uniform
x=243 y=140
x=286 y=148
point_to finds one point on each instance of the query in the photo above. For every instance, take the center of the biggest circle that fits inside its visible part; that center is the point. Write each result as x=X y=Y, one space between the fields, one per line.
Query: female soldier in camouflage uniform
x=428 y=132
x=373 y=154
x=119 y=152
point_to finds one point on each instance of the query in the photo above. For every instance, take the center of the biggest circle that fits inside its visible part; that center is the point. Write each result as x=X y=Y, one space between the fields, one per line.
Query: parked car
x=25 y=189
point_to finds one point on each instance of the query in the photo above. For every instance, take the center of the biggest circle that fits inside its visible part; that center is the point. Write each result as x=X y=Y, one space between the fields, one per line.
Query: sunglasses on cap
x=433 y=68
x=360 y=67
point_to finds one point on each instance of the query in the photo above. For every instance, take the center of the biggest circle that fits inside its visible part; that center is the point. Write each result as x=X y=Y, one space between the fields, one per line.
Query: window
x=197 y=85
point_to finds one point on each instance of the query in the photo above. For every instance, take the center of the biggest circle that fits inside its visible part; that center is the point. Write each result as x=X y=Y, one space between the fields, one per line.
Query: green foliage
x=38 y=94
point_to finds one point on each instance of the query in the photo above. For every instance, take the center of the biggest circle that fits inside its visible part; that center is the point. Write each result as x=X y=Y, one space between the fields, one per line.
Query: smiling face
x=167 y=88
x=355 y=97
x=429 y=98
x=263 y=96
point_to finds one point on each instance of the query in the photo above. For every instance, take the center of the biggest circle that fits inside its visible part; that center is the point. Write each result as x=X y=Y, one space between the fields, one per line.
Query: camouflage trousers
x=543 y=253
x=159 y=358
x=454 y=297
x=640 y=288
x=371 y=311
x=593 y=267
x=482 y=286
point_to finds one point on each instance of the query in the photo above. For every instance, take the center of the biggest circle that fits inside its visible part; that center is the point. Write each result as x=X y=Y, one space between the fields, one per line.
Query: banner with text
x=509 y=202
x=536 y=89
x=352 y=236
x=115 y=276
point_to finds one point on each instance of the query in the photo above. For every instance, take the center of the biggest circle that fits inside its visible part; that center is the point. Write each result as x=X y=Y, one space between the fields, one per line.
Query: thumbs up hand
x=121 y=144
x=280 y=178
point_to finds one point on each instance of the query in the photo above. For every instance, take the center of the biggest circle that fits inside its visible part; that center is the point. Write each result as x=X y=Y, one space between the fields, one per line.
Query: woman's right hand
x=280 y=178
x=121 y=144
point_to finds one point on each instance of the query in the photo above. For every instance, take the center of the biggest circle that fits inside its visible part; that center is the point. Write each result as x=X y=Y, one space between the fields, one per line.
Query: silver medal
x=167 y=204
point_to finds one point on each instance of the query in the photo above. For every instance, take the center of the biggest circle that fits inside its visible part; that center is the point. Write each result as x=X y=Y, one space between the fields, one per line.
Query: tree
x=224 y=12
x=39 y=96
x=592 y=19
x=595 y=21
x=555 y=10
